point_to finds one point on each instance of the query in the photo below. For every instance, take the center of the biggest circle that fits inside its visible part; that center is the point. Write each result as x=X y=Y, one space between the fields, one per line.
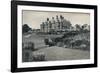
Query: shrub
x=27 y=56
x=46 y=41
x=28 y=46
x=27 y=49
x=38 y=56
x=81 y=44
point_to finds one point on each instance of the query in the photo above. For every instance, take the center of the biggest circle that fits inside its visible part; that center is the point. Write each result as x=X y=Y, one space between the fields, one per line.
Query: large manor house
x=59 y=23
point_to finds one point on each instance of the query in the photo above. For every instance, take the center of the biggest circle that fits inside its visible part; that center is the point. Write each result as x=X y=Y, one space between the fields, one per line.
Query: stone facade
x=55 y=24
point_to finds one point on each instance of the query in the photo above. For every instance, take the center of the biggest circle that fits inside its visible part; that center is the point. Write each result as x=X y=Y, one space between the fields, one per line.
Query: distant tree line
x=83 y=27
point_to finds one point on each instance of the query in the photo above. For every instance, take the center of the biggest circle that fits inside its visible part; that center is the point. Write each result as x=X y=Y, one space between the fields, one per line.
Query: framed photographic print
x=51 y=36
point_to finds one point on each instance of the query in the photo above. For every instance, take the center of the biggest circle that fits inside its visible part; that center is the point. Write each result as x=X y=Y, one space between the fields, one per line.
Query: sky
x=35 y=18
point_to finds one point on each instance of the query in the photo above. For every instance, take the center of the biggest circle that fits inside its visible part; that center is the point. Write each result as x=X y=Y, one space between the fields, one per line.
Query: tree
x=25 y=28
x=84 y=26
x=77 y=27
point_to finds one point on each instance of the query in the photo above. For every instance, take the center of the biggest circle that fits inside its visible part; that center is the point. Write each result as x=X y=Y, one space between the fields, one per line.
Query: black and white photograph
x=49 y=36
x=52 y=36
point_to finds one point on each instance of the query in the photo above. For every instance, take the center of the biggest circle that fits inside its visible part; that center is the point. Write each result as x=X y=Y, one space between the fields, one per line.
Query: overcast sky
x=35 y=18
